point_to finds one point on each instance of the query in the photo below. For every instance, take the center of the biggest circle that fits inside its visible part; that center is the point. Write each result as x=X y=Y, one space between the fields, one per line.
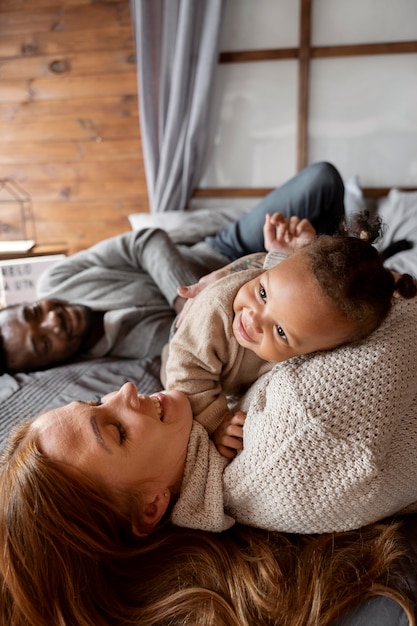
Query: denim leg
x=317 y=193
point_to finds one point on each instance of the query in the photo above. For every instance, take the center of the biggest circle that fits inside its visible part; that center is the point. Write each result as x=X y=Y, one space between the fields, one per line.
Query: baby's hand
x=228 y=437
x=187 y=292
x=287 y=234
x=190 y=291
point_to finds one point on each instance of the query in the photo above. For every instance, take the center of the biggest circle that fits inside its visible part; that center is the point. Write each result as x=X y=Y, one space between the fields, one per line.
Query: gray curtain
x=177 y=52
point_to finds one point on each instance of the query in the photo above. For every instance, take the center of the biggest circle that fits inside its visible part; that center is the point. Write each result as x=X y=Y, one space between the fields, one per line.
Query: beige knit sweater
x=330 y=441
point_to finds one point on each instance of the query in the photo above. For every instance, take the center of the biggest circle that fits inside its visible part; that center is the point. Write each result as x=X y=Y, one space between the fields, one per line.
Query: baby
x=325 y=292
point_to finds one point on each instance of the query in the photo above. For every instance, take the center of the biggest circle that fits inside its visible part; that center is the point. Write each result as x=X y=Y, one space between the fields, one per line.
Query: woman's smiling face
x=126 y=441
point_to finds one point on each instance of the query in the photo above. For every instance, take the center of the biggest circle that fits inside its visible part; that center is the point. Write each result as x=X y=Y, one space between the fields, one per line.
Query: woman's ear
x=155 y=506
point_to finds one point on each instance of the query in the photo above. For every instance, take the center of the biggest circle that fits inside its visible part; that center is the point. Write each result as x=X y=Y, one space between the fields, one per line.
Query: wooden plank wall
x=69 y=124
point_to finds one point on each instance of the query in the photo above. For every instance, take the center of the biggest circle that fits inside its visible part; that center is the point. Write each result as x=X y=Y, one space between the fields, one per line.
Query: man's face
x=39 y=334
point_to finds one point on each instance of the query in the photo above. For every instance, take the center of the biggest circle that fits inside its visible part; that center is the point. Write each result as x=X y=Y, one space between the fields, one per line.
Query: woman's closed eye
x=121 y=432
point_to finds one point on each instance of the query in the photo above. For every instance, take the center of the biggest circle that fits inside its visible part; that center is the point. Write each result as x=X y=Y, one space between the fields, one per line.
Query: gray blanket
x=26 y=395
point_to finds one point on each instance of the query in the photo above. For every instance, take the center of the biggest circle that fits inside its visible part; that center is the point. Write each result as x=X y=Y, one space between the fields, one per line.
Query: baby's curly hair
x=351 y=273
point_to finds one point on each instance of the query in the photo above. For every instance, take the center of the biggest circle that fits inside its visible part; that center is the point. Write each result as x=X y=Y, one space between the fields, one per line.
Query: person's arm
x=308 y=470
x=119 y=259
x=204 y=359
x=196 y=358
x=164 y=263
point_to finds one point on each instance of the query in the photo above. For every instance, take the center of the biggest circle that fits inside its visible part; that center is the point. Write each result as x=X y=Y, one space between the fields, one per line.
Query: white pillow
x=398 y=211
x=354 y=200
x=192 y=225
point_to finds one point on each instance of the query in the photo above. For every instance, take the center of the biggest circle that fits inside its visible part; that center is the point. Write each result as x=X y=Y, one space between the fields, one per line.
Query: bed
x=26 y=394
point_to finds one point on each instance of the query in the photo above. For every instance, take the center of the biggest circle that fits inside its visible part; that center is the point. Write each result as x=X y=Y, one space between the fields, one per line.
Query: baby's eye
x=262 y=292
x=281 y=333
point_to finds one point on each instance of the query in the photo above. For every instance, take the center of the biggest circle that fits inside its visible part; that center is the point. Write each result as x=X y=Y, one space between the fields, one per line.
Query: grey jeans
x=315 y=193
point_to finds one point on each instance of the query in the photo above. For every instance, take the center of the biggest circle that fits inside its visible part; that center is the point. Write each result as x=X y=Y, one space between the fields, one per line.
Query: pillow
x=191 y=226
x=398 y=211
x=354 y=200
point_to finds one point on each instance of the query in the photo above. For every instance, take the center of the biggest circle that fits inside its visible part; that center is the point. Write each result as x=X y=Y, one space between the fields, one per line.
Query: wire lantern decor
x=17 y=222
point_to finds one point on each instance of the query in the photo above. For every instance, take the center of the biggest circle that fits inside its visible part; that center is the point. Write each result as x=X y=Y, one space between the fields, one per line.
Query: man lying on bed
x=120 y=297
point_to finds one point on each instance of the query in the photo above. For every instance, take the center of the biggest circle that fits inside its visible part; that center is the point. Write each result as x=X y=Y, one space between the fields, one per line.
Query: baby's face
x=284 y=313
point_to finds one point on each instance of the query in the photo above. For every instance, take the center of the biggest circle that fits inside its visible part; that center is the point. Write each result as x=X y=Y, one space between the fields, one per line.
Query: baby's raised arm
x=287 y=234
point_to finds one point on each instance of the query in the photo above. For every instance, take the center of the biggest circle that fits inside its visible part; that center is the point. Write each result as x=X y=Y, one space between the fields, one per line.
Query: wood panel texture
x=69 y=123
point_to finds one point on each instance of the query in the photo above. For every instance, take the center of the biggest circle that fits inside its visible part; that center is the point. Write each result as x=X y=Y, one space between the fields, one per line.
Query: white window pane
x=259 y=24
x=253 y=136
x=363 y=21
x=363 y=117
